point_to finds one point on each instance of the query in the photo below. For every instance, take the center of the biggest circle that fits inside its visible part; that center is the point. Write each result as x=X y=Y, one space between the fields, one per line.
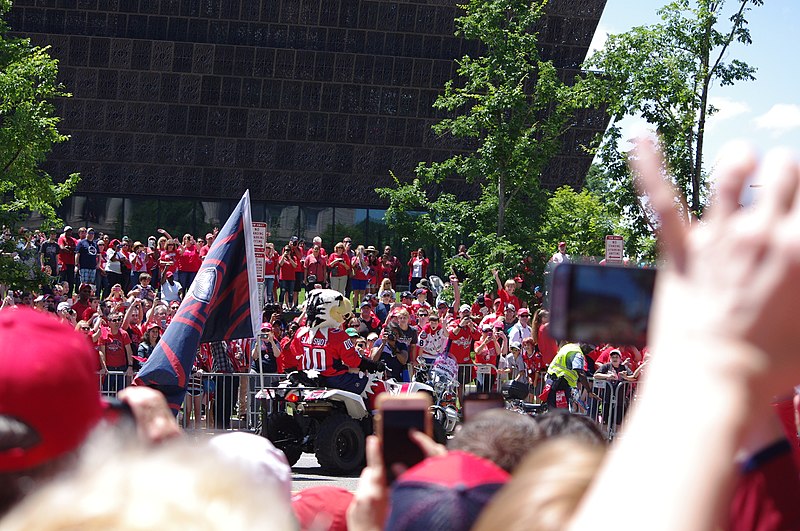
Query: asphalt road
x=307 y=473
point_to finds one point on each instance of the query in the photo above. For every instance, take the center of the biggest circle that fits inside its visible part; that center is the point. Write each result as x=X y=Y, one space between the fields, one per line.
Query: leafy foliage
x=28 y=126
x=28 y=131
x=511 y=109
x=582 y=217
x=664 y=73
x=508 y=101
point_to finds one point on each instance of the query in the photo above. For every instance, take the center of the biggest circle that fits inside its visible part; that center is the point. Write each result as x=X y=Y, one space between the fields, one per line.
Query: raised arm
x=736 y=336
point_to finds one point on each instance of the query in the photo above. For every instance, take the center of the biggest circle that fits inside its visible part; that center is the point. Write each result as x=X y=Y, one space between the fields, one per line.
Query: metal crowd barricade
x=616 y=398
x=112 y=382
x=226 y=401
x=202 y=398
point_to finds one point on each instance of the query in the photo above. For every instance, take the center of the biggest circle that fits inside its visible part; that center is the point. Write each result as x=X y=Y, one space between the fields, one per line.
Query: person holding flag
x=220 y=305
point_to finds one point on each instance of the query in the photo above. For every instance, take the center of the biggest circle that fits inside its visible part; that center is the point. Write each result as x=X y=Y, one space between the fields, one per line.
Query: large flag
x=222 y=304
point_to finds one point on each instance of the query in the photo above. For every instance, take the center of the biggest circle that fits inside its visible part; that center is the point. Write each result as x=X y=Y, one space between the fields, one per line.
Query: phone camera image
x=599 y=304
x=397 y=446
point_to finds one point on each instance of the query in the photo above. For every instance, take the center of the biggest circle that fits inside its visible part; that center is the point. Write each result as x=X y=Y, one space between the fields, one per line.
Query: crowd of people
x=723 y=301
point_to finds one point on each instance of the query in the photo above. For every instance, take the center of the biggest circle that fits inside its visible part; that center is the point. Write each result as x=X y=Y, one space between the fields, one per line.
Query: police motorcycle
x=441 y=377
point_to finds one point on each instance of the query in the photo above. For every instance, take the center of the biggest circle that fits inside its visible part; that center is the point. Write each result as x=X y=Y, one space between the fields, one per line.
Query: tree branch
x=13 y=159
x=728 y=39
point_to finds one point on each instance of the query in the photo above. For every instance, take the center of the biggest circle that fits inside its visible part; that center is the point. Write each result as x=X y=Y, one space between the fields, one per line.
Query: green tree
x=664 y=73
x=511 y=109
x=28 y=131
x=508 y=101
x=581 y=217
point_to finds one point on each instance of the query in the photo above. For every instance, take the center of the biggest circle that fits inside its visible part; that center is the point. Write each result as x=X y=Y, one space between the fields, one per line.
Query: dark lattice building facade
x=180 y=105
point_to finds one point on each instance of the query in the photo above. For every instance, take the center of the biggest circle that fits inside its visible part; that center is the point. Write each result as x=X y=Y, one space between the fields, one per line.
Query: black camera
x=391 y=337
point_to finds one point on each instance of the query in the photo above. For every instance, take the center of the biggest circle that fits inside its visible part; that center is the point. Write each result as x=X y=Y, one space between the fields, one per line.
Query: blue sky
x=765 y=112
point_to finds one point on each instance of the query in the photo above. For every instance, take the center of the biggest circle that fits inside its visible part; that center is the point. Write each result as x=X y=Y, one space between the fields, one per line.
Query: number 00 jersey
x=330 y=352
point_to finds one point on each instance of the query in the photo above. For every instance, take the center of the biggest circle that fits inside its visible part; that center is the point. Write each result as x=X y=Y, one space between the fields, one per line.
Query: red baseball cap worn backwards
x=48 y=385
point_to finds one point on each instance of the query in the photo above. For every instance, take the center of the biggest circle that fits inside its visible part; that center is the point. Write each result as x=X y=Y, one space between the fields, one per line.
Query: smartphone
x=396 y=416
x=475 y=403
x=601 y=304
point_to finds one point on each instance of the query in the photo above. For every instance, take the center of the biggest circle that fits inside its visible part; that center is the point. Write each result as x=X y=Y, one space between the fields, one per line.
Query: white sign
x=259 y=236
x=615 y=248
x=261 y=258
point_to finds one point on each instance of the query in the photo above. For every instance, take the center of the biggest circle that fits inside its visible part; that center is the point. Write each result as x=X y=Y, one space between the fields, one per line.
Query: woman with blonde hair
x=386 y=285
x=339 y=266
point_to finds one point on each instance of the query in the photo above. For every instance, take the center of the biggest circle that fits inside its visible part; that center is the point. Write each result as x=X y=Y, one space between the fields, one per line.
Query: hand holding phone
x=397 y=415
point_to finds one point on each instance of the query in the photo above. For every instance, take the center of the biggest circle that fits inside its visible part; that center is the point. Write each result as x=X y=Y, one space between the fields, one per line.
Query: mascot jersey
x=330 y=351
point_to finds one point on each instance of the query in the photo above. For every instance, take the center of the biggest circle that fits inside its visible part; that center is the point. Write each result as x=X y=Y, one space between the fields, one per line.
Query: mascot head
x=327 y=308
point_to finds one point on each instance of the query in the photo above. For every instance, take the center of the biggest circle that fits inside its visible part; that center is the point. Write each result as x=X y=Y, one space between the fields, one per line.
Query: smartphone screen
x=601 y=304
x=475 y=403
x=397 y=417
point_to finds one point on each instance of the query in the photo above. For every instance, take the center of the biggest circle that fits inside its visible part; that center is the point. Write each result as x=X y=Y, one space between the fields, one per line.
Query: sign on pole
x=615 y=248
x=259 y=236
x=260 y=247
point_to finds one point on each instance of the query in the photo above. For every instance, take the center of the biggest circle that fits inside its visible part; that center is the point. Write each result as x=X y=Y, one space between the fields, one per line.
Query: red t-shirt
x=135 y=333
x=338 y=270
x=189 y=259
x=507 y=299
x=80 y=308
x=115 y=348
x=375 y=273
x=461 y=340
x=271 y=265
x=316 y=266
x=358 y=271
x=298 y=253
x=87 y=313
x=151 y=261
x=331 y=356
x=765 y=496
x=66 y=257
x=286 y=271
x=534 y=362
x=547 y=345
x=170 y=256
x=487 y=357
x=204 y=251
x=287 y=360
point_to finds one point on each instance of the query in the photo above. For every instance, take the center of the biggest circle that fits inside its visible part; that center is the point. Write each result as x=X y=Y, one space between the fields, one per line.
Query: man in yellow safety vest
x=566 y=370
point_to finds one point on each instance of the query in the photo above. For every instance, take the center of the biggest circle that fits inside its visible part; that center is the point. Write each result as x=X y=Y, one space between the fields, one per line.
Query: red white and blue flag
x=220 y=305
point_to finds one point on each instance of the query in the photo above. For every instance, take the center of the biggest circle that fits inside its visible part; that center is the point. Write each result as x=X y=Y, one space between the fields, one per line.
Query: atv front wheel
x=340 y=445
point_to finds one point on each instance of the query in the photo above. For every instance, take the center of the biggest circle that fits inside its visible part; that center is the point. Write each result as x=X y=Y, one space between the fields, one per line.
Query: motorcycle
x=441 y=377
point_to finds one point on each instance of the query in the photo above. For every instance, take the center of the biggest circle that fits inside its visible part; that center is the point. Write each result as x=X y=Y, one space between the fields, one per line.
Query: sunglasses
x=434 y=318
x=85 y=328
x=361 y=344
x=422 y=315
x=117 y=320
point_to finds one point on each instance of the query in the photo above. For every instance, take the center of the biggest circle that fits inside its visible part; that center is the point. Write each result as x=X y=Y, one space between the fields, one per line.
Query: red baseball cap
x=52 y=390
x=322 y=507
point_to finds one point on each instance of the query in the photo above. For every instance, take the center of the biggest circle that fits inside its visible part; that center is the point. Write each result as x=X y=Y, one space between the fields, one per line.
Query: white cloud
x=726 y=109
x=780 y=119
